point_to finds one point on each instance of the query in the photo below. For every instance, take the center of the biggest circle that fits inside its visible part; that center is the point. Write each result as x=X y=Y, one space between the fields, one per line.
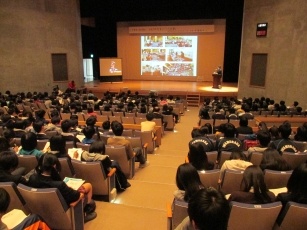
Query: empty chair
x=65 y=116
x=136 y=142
x=235 y=122
x=130 y=114
x=170 y=122
x=139 y=120
x=143 y=115
x=115 y=118
x=128 y=120
x=16 y=200
x=209 y=178
x=224 y=156
x=276 y=179
x=84 y=147
x=253 y=217
x=292 y=217
x=212 y=156
x=51 y=206
x=41 y=144
x=102 y=118
x=176 y=213
x=80 y=117
x=107 y=113
x=29 y=162
x=93 y=172
x=119 y=154
x=128 y=133
x=147 y=137
x=231 y=181
x=158 y=122
x=120 y=114
x=256 y=158
x=294 y=159
x=67 y=169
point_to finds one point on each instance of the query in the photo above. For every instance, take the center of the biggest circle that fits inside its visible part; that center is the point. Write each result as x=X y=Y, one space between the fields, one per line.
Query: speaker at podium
x=217 y=78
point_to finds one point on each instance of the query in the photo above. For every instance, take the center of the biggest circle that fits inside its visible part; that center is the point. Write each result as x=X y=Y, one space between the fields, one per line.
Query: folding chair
x=128 y=120
x=67 y=169
x=276 y=179
x=231 y=181
x=294 y=159
x=51 y=206
x=256 y=158
x=29 y=162
x=209 y=178
x=147 y=137
x=253 y=216
x=176 y=213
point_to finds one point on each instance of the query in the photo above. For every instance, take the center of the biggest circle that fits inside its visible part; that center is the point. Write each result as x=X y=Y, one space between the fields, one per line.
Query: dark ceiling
x=101 y=40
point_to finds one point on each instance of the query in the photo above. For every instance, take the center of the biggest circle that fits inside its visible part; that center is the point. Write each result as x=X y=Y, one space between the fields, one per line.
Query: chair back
x=209 y=178
x=67 y=169
x=41 y=144
x=50 y=134
x=301 y=145
x=16 y=200
x=115 y=118
x=180 y=211
x=146 y=137
x=84 y=147
x=51 y=206
x=276 y=179
x=94 y=173
x=224 y=156
x=138 y=120
x=231 y=181
x=128 y=120
x=102 y=118
x=293 y=217
x=294 y=159
x=65 y=116
x=128 y=133
x=29 y=162
x=170 y=122
x=256 y=158
x=212 y=156
x=253 y=216
x=119 y=154
x=143 y=115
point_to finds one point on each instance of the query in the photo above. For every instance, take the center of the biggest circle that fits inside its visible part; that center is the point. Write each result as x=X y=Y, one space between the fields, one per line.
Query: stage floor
x=204 y=89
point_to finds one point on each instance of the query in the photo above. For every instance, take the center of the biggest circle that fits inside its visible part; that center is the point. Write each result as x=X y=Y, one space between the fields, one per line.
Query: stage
x=164 y=88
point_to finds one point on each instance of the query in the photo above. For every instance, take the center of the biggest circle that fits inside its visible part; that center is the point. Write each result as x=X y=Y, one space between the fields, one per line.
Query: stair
x=193 y=99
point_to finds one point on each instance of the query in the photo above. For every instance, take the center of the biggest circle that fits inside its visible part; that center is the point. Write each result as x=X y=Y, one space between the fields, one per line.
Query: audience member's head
x=66 y=125
x=58 y=144
x=274 y=132
x=49 y=164
x=55 y=120
x=272 y=160
x=91 y=121
x=8 y=161
x=229 y=130
x=285 y=130
x=209 y=209
x=187 y=179
x=297 y=183
x=38 y=126
x=149 y=116
x=97 y=147
x=117 y=128
x=243 y=121
x=4 y=201
x=28 y=141
x=88 y=132
x=264 y=138
x=106 y=125
x=4 y=144
x=197 y=156
x=196 y=133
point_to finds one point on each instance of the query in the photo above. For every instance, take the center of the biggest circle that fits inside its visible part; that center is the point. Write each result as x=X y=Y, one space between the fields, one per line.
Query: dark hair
x=66 y=125
x=58 y=143
x=37 y=126
x=229 y=130
x=88 y=131
x=55 y=120
x=264 y=138
x=274 y=132
x=301 y=134
x=198 y=156
x=243 y=121
x=8 y=161
x=187 y=179
x=209 y=209
x=272 y=160
x=238 y=155
x=4 y=200
x=46 y=163
x=204 y=130
x=4 y=144
x=106 y=125
x=297 y=184
x=40 y=113
x=29 y=141
x=195 y=133
x=117 y=128
x=254 y=177
x=149 y=116
x=91 y=121
x=262 y=126
x=97 y=147
x=285 y=130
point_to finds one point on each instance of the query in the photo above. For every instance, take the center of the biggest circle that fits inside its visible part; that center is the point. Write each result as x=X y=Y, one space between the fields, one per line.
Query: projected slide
x=169 y=55
x=110 y=66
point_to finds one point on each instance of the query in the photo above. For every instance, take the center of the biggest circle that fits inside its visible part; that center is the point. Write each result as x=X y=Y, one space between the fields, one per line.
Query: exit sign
x=262 y=29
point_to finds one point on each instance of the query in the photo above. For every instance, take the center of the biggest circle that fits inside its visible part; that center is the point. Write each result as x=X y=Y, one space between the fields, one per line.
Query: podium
x=217 y=80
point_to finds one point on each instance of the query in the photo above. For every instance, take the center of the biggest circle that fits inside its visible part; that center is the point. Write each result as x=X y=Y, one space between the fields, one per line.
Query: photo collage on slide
x=168 y=55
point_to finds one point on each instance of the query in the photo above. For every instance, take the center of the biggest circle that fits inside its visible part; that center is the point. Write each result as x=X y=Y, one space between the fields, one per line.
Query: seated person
x=301 y=133
x=47 y=176
x=28 y=145
x=254 y=190
x=229 y=142
x=243 y=126
x=39 y=129
x=58 y=146
x=207 y=209
x=97 y=153
x=91 y=121
x=272 y=160
x=187 y=181
x=157 y=115
x=198 y=136
x=88 y=132
x=67 y=126
x=8 y=163
x=232 y=114
x=264 y=139
x=284 y=144
x=118 y=129
x=218 y=115
x=148 y=125
x=237 y=161
x=54 y=125
x=106 y=126
x=198 y=158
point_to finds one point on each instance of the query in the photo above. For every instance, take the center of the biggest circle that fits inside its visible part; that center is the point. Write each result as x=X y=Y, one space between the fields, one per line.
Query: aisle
x=144 y=203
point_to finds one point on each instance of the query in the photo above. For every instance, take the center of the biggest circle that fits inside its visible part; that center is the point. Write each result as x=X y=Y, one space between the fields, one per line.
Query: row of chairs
x=48 y=203
x=250 y=216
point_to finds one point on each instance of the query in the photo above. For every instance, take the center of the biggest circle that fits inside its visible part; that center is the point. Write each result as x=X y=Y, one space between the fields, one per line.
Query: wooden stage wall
x=164 y=88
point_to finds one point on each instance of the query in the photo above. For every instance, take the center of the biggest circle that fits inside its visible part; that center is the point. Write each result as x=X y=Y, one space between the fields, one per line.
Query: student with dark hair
x=187 y=181
x=207 y=209
x=200 y=136
x=67 y=126
x=28 y=145
x=88 y=132
x=118 y=129
x=301 y=133
x=54 y=125
x=8 y=163
x=264 y=139
x=232 y=114
x=40 y=116
x=274 y=133
x=58 y=146
x=243 y=126
x=253 y=188
x=272 y=160
x=91 y=121
x=148 y=125
x=237 y=161
x=47 y=176
x=39 y=129
x=197 y=156
x=284 y=144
